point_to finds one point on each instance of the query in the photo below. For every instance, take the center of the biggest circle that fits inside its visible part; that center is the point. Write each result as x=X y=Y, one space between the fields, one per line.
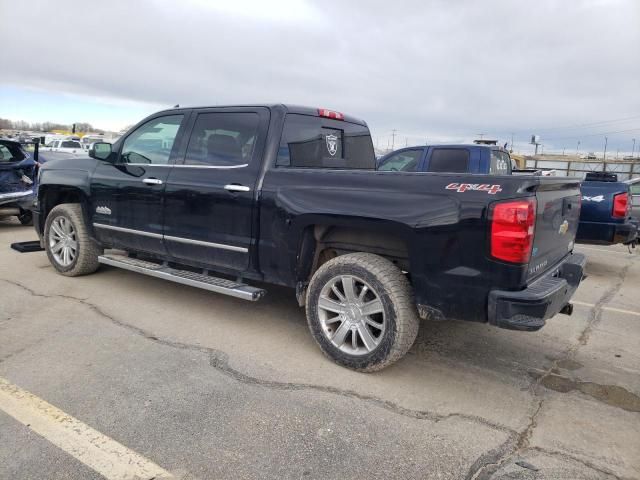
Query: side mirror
x=100 y=151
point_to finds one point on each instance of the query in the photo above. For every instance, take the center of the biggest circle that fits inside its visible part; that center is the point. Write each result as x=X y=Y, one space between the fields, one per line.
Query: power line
x=584 y=125
x=594 y=134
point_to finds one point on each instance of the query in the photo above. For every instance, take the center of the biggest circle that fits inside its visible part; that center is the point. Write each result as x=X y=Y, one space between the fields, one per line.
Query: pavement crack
x=573 y=458
x=220 y=361
x=485 y=469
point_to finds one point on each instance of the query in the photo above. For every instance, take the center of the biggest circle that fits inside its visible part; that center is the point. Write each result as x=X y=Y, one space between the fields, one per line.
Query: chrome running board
x=185 y=277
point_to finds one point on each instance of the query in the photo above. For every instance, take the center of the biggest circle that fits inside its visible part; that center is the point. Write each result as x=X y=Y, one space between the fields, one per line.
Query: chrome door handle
x=234 y=187
x=152 y=181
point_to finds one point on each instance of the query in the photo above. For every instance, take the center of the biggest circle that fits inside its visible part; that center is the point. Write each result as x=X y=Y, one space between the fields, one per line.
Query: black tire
x=394 y=291
x=26 y=217
x=86 y=257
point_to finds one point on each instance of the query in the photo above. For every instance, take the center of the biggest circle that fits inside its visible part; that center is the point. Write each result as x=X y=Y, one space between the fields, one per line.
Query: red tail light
x=621 y=205
x=323 y=112
x=512 y=227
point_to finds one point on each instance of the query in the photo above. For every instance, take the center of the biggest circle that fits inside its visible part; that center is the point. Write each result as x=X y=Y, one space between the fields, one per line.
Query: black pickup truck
x=220 y=198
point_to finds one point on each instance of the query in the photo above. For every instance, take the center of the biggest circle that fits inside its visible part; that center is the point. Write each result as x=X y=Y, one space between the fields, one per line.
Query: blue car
x=17 y=178
x=465 y=158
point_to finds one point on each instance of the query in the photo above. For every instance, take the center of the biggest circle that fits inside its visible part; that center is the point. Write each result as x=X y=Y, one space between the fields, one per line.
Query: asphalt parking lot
x=171 y=381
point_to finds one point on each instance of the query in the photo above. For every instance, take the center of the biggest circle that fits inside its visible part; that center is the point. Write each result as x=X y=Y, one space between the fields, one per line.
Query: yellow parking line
x=608 y=309
x=99 y=452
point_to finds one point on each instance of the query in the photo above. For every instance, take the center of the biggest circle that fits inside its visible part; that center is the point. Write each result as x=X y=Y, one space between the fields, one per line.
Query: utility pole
x=563 y=151
x=511 y=150
x=578 y=148
x=406 y=141
x=617 y=152
x=633 y=149
x=604 y=156
x=393 y=139
x=481 y=135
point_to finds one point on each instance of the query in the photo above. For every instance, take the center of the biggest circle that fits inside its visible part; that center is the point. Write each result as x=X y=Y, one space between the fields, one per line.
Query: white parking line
x=608 y=309
x=99 y=452
x=603 y=250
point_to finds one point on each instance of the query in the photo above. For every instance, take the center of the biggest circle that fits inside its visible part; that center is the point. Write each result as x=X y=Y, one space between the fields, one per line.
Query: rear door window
x=405 y=161
x=223 y=139
x=449 y=160
x=316 y=142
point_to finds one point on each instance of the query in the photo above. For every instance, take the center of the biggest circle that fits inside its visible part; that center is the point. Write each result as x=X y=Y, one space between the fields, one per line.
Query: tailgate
x=597 y=201
x=558 y=213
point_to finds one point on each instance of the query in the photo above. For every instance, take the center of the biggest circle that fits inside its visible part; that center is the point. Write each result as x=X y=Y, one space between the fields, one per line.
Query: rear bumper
x=598 y=233
x=528 y=309
x=15 y=200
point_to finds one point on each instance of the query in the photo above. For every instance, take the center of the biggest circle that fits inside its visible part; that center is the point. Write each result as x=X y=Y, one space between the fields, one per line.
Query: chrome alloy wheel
x=63 y=243
x=351 y=315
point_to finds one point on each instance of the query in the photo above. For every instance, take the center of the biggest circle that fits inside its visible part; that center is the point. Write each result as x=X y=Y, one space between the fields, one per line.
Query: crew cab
x=605 y=218
x=222 y=197
x=462 y=158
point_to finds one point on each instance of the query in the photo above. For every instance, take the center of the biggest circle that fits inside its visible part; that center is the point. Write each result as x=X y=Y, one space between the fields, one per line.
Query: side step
x=206 y=282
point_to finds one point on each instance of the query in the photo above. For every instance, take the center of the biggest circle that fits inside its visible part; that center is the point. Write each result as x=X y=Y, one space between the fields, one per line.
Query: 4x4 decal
x=482 y=187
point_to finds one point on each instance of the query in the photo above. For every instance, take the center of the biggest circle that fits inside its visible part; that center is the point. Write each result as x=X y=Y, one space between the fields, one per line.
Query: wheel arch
x=49 y=196
x=388 y=239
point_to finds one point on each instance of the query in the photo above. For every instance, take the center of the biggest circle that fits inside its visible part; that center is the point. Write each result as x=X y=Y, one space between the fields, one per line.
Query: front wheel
x=69 y=247
x=361 y=311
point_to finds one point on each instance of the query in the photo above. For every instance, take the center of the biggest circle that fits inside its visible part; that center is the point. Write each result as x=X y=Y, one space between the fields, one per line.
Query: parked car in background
x=605 y=217
x=65 y=146
x=88 y=140
x=634 y=186
x=17 y=175
x=481 y=159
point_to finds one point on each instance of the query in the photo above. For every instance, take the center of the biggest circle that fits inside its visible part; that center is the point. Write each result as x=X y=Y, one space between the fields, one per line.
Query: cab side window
x=152 y=142
x=223 y=139
x=449 y=160
x=405 y=161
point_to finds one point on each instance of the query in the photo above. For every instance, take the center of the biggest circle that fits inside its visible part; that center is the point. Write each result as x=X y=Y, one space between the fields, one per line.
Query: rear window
x=500 y=162
x=450 y=160
x=70 y=144
x=10 y=152
x=315 y=142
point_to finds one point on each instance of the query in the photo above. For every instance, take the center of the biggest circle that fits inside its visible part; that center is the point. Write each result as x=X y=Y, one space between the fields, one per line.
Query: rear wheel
x=361 y=312
x=69 y=247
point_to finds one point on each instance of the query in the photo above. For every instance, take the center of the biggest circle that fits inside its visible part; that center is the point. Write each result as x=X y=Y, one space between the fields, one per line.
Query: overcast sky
x=433 y=70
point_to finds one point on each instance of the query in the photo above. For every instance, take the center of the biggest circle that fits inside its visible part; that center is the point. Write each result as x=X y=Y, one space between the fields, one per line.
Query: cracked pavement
x=214 y=387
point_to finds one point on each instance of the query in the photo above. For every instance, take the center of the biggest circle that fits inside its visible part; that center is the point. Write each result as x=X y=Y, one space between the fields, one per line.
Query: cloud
x=431 y=69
